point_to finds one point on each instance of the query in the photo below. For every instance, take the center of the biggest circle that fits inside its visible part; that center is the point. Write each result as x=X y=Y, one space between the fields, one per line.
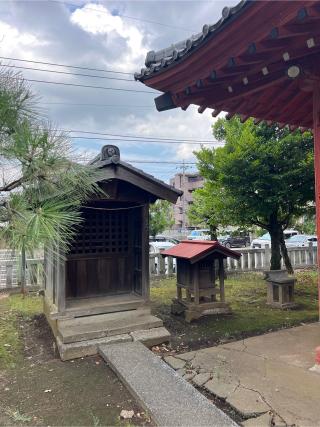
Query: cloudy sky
x=107 y=35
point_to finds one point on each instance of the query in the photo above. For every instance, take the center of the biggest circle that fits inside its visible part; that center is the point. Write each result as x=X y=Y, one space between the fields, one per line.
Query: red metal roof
x=194 y=250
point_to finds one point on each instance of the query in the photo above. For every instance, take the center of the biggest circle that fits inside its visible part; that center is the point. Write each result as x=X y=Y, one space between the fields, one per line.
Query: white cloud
x=56 y=32
x=97 y=20
x=11 y=37
x=176 y=124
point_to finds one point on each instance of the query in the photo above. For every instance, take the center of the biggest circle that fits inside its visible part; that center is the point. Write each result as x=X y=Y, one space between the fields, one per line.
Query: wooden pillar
x=196 y=283
x=60 y=284
x=145 y=280
x=316 y=138
x=221 y=280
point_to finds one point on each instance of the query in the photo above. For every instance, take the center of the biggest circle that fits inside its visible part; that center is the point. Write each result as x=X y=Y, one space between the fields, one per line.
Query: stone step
x=149 y=337
x=105 y=325
x=165 y=395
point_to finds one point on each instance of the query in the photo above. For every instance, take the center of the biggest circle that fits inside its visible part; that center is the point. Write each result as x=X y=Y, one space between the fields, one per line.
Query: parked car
x=202 y=234
x=301 y=240
x=264 y=240
x=157 y=247
x=161 y=238
x=230 y=241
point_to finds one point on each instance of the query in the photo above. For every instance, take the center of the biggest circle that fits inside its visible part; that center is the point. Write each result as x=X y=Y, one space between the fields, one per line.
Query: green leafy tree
x=41 y=189
x=263 y=176
x=307 y=224
x=160 y=217
x=204 y=212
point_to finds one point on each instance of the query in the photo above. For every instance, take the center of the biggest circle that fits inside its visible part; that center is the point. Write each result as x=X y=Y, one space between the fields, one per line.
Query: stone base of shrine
x=282 y=306
x=81 y=336
x=193 y=311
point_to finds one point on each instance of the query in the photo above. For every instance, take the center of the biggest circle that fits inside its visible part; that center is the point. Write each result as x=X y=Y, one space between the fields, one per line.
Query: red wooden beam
x=316 y=136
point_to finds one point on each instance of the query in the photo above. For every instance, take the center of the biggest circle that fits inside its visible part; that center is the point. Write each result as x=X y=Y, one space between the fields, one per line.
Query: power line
x=122 y=16
x=161 y=162
x=86 y=86
x=153 y=162
x=96 y=105
x=139 y=136
x=68 y=73
x=97 y=138
x=78 y=67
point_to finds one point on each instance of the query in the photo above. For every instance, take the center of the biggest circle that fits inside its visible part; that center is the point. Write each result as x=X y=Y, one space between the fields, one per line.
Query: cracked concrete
x=265 y=378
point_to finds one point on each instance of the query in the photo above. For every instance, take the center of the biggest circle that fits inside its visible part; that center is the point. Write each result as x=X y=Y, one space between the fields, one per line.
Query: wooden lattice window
x=205 y=265
x=102 y=232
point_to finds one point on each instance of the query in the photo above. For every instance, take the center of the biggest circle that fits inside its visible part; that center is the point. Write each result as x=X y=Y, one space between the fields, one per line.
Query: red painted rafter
x=214 y=54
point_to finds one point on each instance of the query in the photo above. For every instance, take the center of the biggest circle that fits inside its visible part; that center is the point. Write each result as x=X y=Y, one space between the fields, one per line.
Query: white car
x=264 y=240
x=157 y=247
x=203 y=234
x=301 y=240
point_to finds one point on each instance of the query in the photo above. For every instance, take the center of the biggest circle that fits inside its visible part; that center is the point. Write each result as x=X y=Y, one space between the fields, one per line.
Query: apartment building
x=187 y=182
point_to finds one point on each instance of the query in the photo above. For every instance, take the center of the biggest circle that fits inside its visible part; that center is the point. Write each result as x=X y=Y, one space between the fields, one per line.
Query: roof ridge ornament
x=226 y=12
x=110 y=154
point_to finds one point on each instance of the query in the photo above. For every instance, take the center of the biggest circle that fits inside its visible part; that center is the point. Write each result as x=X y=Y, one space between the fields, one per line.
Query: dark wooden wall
x=105 y=257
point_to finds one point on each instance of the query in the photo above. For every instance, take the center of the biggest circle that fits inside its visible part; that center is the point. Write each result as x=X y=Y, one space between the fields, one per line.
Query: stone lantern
x=280 y=289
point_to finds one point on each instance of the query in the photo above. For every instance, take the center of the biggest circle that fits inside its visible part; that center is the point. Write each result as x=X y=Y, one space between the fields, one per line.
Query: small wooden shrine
x=280 y=289
x=199 y=265
x=100 y=288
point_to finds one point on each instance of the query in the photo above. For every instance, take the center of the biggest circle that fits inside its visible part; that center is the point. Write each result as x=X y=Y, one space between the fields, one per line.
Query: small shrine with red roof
x=200 y=278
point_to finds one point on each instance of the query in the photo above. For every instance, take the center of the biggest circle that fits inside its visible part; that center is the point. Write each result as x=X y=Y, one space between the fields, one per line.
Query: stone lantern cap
x=278 y=276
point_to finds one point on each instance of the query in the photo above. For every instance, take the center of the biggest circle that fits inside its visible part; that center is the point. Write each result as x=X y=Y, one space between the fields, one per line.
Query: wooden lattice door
x=101 y=258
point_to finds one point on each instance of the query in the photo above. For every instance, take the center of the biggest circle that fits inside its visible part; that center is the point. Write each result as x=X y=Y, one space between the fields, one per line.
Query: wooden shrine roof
x=195 y=250
x=116 y=169
x=259 y=60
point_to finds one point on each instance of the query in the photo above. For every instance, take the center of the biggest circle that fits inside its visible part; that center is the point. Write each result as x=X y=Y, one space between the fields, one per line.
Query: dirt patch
x=77 y=393
x=43 y=390
x=38 y=340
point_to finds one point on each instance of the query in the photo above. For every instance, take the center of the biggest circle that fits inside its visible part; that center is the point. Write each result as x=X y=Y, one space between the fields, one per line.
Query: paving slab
x=261 y=421
x=220 y=388
x=274 y=366
x=201 y=379
x=165 y=395
x=189 y=375
x=247 y=402
x=175 y=363
x=301 y=342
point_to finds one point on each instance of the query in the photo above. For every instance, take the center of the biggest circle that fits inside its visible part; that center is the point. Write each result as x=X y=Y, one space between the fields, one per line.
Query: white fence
x=251 y=260
x=159 y=266
x=9 y=270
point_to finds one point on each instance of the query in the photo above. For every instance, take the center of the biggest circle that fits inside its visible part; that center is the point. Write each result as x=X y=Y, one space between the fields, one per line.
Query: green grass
x=14 y=310
x=246 y=294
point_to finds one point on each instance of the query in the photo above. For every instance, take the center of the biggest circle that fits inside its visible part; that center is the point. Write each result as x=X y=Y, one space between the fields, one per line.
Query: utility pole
x=184 y=167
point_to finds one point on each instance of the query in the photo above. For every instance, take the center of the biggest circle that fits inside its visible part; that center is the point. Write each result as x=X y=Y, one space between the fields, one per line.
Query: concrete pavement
x=265 y=378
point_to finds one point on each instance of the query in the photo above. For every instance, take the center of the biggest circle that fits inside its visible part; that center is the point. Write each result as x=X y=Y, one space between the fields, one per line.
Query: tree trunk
x=23 y=268
x=213 y=233
x=275 y=233
x=285 y=255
